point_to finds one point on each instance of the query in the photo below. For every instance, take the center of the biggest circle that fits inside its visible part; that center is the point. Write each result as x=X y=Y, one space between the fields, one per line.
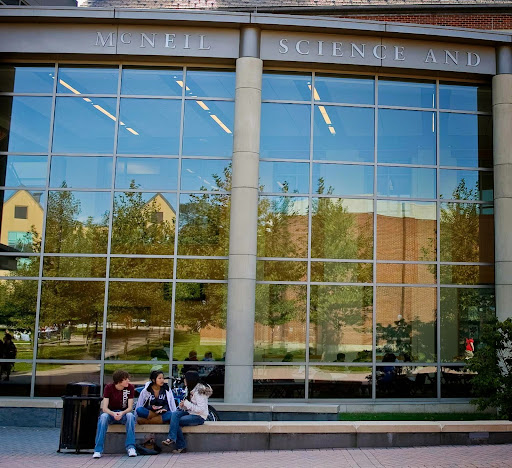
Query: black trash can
x=80 y=411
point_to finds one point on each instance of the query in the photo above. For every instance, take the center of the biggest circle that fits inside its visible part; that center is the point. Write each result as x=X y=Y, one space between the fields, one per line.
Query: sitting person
x=156 y=401
x=192 y=411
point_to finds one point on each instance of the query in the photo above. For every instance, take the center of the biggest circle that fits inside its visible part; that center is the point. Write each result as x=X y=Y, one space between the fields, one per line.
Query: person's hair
x=154 y=374
x=192 y=378
x=119 y=375
x=8 y=337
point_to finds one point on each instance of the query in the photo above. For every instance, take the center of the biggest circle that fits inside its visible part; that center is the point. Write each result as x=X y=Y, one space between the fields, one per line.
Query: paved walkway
x=36 y=448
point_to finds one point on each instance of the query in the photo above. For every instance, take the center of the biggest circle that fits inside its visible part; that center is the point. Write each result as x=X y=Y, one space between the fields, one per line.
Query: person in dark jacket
x=9 y=351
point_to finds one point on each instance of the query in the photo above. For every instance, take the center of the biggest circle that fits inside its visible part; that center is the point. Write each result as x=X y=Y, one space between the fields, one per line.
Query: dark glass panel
x=77 y=222
x=335 y=382
x=147 y=173
x=283 y=226
x=51 y=379
x=340 y=326
x=406 y=137
x=278 y=382
x=18 y=383
x=26 y=79
x=82 y=80
x=465 y=140
x=202 y=269
x=406 y=231
x=144 y=223
x=343 y=134
x=466 y=185
x=200 y=320
x=138 y=321
x=27 y=171
x=205 y=175
x=75 y=267
x=407 y=93
x=471 y=97
x=139 y=373
x=210 y=83
x=350 y=89
x=285 y=130
x=280 y=323
x=204 y=225
x=284 y=177
x=344 y=179
x=76 y=172
x=157 y=268
x=286 y=87
x=71 y=320
x=342 y=228
x=208 y=129
x=464 y=313
x=406 y=324
x=456 y=382
x=406 y=182
x=341 y=272
x=152 y=81
x=467 y=232
x=406 y=381
x=467 y=274
x=406 y=273
x=84 y=125
x=25 y=124
x=19 y=266
x=269 y=270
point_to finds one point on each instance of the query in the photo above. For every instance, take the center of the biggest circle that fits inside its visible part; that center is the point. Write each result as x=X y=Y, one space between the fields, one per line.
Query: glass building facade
x=375 y=229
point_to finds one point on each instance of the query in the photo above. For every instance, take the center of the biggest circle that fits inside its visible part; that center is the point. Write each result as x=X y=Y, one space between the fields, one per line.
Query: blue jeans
x=182 y=418
x=144 y=413
x=105 y=419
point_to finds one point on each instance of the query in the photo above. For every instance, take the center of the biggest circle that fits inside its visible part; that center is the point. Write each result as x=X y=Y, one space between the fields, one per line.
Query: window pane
x=406 y=324
x=406 y=137
x=28 y=171
x=341 y=272
x=77 y=222
x=286 y=87
x=151 y=126
x=147 y=173
x=202 y=269
x=200 y=320
x=19 y=379
x=205 y=175
x=340 y=323
x=283 y=227
x=335 y=382
x=208 y=128
x=152 y=81
x=158 y=268
x=277 y=382
x=19 y=266
x=81 y=80
x=346 y=179
x=464 y=313
x=71 y=320
x=343 y=134
x=470 y=97
x=269 y=270
x=406 y=231
x=405 y=182
x=467 y=274
x=342 y=228
x=51 y=379
x=466 y=185
x=26 y=79
x=84 y=127
x=25 y=124
x=139 y=373
x=22 y=233
x=284 y=177
x=280 y=323
x=76 y=172
x=285 y=130
x=456 y=382
x=467 y=232
x=75 y=267
x=138 y=321
x=406 y=381
x=405 y=93
x=466 y=140
x=144 y=223
x=204 y=225
x=406 y=273
x=210 y=83
x=344 y=89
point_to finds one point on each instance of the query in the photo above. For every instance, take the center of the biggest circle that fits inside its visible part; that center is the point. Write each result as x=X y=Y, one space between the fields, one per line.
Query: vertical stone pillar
x=243 y=221
x=502 y=127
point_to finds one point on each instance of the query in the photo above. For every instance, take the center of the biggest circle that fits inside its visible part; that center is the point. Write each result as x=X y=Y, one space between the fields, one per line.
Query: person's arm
x=200 y=406
x=128 y=409
x=105 y=408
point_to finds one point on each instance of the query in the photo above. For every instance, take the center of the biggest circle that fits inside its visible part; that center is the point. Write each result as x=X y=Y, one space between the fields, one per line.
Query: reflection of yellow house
x=21 y=213
x=164 y=210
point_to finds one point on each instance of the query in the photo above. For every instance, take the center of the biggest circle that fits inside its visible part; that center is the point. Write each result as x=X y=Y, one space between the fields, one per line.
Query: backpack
x=148 y=447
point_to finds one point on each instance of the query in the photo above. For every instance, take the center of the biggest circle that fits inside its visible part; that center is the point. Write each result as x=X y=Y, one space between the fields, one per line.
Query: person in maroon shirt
x=117 y=408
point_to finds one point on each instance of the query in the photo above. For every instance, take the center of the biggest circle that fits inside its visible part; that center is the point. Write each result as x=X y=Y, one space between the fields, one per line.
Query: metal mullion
x=72 y=278
x=407 y=285
x=412 y=166
x=120 y=190
x=204 y=98
x=87 y=95
x=43 y=237
x=277 y=101
x=345 y=197
x=207 y=158
x=157 y=156
x=269 y=363
x=467 y=286
x=21 y=278
x=68 y=361
x=407 y=199
x=344 y=104
x=344 y=163
x=118 y=279
x=78 y=189
x=341 y=260
x=466 y=202
x=17 y=94
x=468 y=263
x=147 y=96
x=461 y=111
x=282 y=160
x=340 y=283
x=203 y=257
x=417 y=109
x=86 y=255
x=463 y=168
x=407 y=262
x=374 y=260
x=25 y=153
x=280 y=259
x=206 y=192
x=438 y=247
x=83 y=155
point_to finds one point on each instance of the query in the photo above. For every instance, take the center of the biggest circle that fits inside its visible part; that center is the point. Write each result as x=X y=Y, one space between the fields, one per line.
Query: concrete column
x=243 y=222
x=502 y=127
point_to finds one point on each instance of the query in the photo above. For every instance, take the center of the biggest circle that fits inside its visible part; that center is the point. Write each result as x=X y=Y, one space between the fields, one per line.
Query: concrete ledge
x=30 y=403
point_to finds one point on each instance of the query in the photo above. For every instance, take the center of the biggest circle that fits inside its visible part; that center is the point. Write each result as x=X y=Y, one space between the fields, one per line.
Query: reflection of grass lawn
x=277 y=354
x=185 y=341
x=67 y=351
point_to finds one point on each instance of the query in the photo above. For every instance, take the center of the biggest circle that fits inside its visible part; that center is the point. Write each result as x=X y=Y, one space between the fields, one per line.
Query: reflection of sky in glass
x=91 y=205
x=29 y=123
x=28 y=171
x=26 y=79
x=147 y=173
x=76 y=172
x=208 y=128
x=465 y=97
x=344 y=89
x=285 y=130
x=84 y=127
x=406 y=209
x=407 y=93
x=346 y=179
x=88 y=80
x=197 y=174
x=284 y=177
x=286 y=86
x=210 y=83
x=152 y=81
x=406 y=182
x=481 y=183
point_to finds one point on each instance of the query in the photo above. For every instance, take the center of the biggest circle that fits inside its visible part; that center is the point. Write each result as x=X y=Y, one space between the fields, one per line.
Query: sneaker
x=132 y=452
x=96 y=455
x=179 y=450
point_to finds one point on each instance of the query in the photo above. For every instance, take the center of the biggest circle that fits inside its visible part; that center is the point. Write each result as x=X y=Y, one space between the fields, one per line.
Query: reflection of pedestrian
x=9 y=352
x=192 y=356
x=470 y=348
